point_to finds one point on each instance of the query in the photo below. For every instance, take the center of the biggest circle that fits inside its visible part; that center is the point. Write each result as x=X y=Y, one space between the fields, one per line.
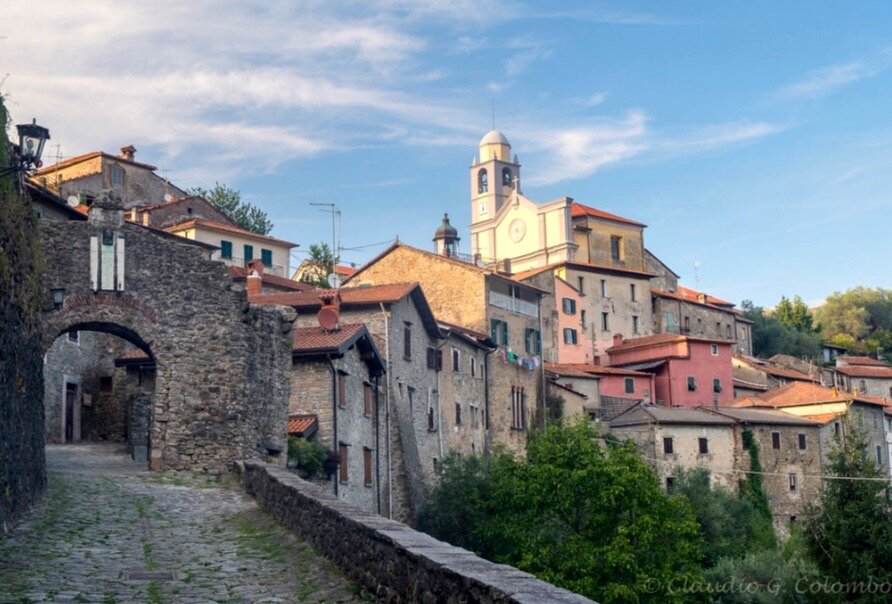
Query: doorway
x=71 y=420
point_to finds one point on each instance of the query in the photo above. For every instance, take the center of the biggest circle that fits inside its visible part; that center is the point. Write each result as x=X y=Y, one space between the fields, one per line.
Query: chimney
x=254 y=283
x=128 y=152
x=256 y=266
x=618 y=339
x=329 y=314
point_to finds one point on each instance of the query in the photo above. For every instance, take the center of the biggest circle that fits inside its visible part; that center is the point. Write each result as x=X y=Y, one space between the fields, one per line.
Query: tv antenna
x=335 y=229
x=697 y=274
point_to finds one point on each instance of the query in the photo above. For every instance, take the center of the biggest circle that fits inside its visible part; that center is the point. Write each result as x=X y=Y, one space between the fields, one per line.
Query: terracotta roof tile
x=86 y=156
x=710 y=301
x=853 y=360
x=302 y=425
x=134 y=355
x=593 y=369
x=763 y=416
x=239 y=272
x=577 y=209
x=824 y=418
x=317 y=339
x=801 y=393
x=372 y=294
x=774 y=370
x=693 y=294
x=865 y=371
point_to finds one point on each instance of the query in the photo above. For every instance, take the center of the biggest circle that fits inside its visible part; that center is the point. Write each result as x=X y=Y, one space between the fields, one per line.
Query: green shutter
x=249 y=253
x=526 y=340
x=504 y=333
x=266 y=256
x=538 y=342
x=494 y=330
x=225 y=249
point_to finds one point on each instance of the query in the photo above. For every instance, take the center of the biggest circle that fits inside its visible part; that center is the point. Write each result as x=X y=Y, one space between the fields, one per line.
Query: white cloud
x=714 y=136
x=592 y=100
x=825 y=80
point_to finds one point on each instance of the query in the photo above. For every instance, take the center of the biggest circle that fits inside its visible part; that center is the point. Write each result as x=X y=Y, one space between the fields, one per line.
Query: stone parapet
x=391 y=561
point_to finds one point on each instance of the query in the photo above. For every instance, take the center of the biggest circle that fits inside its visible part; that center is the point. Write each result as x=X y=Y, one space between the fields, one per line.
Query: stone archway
x=221 y=365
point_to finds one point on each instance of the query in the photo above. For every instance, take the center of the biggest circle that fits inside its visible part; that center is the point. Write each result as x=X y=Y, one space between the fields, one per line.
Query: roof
x=585 y=266
x=739 y=383
x=763 y=416
x=474 y=337
x=659 y=339
x=865 y=371
x=344 y=270
x=302 y=425
x=226 y=228
x=494 y=137
x=772 y=369
x=42 y=193
x=853 y=360
x=792 y=395
x=823 y=418
x=239 y=272
x=577 y=209
x=724 y=307
x=135 y=357
x=693 y=294
x=593 y=369
x=651 y=414
x=557 y=370
x=316 y=341
x=88 y=156
x=364 y=295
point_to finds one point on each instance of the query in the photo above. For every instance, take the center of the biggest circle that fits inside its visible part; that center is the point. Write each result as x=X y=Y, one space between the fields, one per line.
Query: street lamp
x=58 y=297
x=32 y=138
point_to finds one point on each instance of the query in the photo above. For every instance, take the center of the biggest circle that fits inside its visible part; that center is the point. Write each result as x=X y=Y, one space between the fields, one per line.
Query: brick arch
x=222 y=365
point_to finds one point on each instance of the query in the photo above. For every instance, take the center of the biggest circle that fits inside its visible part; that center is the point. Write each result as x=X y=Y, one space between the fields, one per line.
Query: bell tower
x=494 y=176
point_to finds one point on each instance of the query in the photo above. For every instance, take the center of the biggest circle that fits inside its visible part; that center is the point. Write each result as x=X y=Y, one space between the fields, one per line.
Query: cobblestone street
x=109 y=531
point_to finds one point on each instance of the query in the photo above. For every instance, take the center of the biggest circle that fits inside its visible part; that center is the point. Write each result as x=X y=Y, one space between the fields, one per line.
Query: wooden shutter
x=342 y=462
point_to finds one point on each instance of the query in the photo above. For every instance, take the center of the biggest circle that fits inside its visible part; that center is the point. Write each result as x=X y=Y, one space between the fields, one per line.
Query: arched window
x=482 y=181
x=506 y=177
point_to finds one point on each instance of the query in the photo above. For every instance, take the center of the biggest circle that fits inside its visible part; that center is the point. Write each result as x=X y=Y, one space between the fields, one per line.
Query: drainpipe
x=542 y=366
x=334 y=414
x=387 y=392
x=487 y=437
x=377 y=447
x=439 y=406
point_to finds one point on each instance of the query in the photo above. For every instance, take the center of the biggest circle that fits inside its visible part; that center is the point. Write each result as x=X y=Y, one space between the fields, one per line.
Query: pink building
x=573 y=343
x=687 y=371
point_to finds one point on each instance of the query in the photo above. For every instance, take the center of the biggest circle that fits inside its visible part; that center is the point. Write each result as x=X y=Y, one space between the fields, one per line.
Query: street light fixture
x=58 y=297
x=32 y=138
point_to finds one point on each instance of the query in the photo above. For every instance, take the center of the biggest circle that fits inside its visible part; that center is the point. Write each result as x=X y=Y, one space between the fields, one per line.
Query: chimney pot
x=128 y=152
x=256 y=266
x=618 y=339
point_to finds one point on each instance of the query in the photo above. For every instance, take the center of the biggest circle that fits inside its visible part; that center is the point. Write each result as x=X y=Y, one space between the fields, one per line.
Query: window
x=249 y=253
x=687 y=325
x=667 y=445
x=105 y=384
x=532 y=340
x=775 y=440
x=718 y=328
x=630 y=385
x=499 y=331
x=603 y=288
x=728 y=331
x=74 y=337
x=570 y=336
x=411 y=399
x=605 y=321
x=692 y=384
x=518 y=408
x=569 y=306
x=714 y=350
x=703 y=443
x=117 y=175
x=580 y=285
x=457 y=413
x=670 y=482
x=506 y=177
x=716 y=385
x=792 y=482
x=879 y=455
x=367 y=398
x=342 y=463
x=582 y=318
x=342 y=389
x=632 y=291
x=407 y=341
x=225 y=249
x=266 y=256
x=482 y=181
x=473 y=366
x=862 y=386
x=367 y=466
x=435 y=359
x=616 y=245
x=635 y=324
x=802 y=441
x=836 y=429
x=87 y=199
x=431 y=420
x=456 y=359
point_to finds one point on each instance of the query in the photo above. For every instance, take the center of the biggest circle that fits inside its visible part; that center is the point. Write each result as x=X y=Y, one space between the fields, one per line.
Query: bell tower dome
x=446 y=238
x=494 y=176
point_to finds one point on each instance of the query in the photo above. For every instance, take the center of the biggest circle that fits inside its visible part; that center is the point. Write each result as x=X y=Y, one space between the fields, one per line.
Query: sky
x=753 y=138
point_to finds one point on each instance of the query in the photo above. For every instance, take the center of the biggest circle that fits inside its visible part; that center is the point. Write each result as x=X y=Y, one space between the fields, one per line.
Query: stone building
x=484 y=301
x=220 y=389
x=672 y=438
x=860 y=374
x=86 y=176
x=753 y=375
x=578 y=390
x=790 y=457
x=618 y=389
x=690 y=312
x=688 y=371
x=336 y=378
x=407 y=334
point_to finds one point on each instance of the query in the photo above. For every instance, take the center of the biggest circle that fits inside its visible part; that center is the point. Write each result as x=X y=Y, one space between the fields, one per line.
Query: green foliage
x=849 y=534
x=771 y=336
x=730 y=524
x=323 y=262
x=794 y=314
x=229 y=201
x=307 y=456
x=578 y=513
x=860 y=317
x=751 y=486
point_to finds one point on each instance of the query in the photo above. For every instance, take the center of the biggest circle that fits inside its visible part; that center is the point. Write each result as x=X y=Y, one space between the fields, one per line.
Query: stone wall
x=221 y=382
x=22 y=461
x=389 y=560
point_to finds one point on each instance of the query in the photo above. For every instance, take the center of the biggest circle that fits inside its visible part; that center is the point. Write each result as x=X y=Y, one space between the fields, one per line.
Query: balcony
x=276 y=270
x=514 y=304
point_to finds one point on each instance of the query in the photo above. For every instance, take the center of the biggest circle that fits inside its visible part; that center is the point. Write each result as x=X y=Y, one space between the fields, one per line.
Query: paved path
x=109 y=531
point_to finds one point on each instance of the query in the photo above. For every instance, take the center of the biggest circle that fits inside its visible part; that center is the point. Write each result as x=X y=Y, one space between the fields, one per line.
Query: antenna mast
x=335 y=229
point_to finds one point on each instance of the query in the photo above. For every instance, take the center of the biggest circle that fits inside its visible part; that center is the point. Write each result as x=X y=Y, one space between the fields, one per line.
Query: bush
x=307 y=456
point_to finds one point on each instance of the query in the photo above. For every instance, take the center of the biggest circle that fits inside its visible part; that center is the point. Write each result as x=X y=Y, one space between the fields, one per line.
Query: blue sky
x=753 y=137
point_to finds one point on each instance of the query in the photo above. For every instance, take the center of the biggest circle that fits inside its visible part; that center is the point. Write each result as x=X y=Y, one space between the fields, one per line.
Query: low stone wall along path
x=109 y=531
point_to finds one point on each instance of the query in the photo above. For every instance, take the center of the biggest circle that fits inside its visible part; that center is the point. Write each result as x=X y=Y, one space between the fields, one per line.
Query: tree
x=322 y=264
x=229 y=201
x=849 y=534
x=860 y=314
x=771 y=337
x=584 y=515
x=794 y=314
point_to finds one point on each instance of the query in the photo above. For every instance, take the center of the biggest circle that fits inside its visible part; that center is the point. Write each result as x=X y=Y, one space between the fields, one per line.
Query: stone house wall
x=673 y=316
x=594 y=244
x=218 y=396
x=464 y=431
